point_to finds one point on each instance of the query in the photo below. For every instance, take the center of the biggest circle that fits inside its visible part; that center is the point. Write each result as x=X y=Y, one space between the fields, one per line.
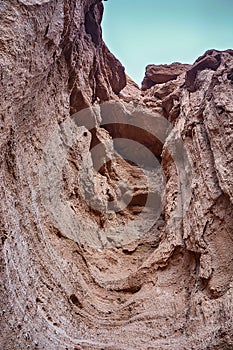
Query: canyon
x=115 y=201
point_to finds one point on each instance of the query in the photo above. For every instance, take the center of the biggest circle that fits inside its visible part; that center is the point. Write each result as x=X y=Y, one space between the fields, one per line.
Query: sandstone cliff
x=102 y=246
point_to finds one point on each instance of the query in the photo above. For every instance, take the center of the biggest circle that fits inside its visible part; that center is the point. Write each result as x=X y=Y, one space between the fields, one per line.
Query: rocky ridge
x=79 y=286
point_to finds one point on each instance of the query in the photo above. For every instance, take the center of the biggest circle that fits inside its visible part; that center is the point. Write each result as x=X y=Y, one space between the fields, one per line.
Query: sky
x=142 y=32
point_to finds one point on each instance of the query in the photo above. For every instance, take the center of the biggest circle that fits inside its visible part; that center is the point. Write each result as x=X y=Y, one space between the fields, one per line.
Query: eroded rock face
x=80 y=268
x=162 y=73
x=131 y=92
x=203 y=114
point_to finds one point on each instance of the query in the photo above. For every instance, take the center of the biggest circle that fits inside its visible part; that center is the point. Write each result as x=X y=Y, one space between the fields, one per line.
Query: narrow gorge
x=116 y=201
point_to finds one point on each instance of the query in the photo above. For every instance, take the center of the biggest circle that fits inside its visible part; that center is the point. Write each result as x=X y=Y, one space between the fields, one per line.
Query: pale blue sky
x=141 y=32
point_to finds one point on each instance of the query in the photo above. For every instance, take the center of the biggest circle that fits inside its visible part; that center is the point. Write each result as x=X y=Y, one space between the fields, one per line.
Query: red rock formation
x=83 y=275
x=211 y=60
x=162 y=73
x=131 y=92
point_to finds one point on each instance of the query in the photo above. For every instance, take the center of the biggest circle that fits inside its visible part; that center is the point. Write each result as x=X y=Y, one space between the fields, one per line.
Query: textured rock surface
x=169 y=289
x=131 y=92
x=162 y=73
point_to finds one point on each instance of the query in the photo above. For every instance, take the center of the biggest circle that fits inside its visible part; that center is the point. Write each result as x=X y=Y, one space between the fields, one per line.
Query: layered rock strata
x=80 y=269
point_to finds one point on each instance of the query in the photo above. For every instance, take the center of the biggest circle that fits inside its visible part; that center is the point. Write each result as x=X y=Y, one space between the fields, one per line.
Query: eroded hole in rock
x=132 y=289
x=75 y=300
x=137 y=134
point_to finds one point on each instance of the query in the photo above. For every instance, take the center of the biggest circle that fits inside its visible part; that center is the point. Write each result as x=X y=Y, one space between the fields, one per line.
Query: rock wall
x=81 y=270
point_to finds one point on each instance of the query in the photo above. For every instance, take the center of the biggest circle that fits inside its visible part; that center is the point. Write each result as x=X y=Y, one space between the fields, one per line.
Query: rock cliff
x=116 y=202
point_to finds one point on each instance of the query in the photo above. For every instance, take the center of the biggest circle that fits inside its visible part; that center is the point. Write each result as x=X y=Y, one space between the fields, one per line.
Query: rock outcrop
x=131 y=92
x=162 y=73
x=102 y=247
